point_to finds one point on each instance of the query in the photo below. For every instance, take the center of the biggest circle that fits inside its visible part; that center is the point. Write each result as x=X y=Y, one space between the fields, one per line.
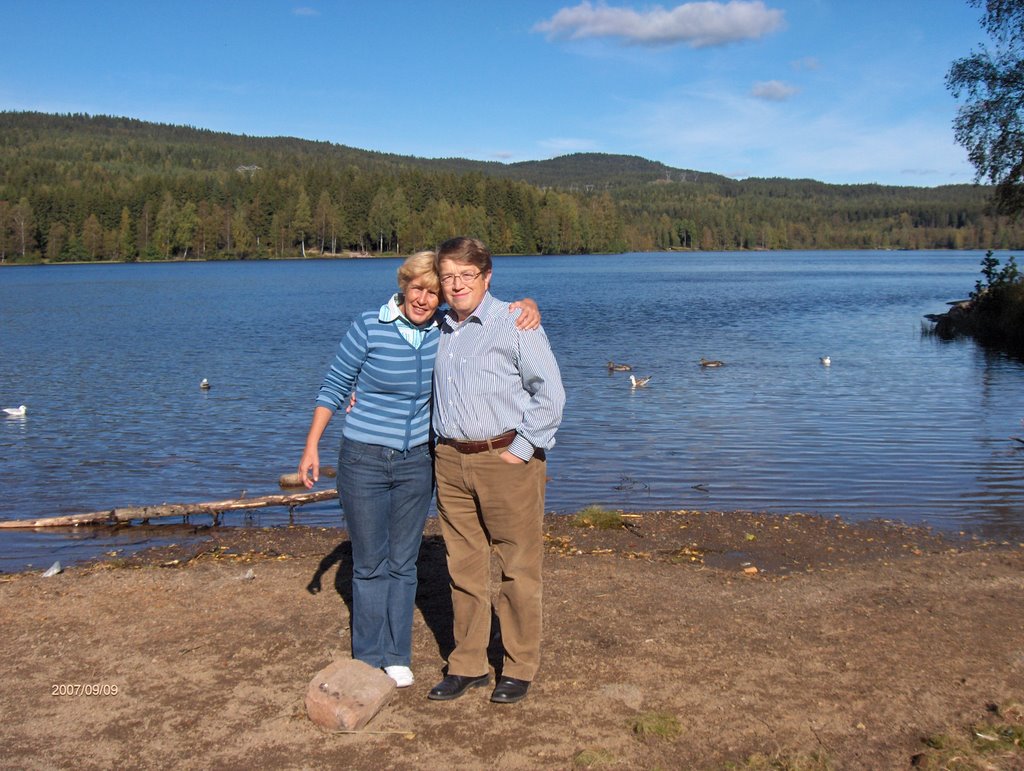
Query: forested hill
x=591 y=171
x=150 y=146
x=76 y=187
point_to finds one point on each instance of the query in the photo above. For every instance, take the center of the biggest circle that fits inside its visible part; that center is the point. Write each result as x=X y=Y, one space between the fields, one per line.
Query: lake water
x=901 y=426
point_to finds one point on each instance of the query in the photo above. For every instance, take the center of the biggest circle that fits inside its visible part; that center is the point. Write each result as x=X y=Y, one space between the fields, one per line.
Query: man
x=498 y=400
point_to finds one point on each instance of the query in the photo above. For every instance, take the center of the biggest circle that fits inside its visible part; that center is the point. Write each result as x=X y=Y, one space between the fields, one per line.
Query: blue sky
x=843 y=91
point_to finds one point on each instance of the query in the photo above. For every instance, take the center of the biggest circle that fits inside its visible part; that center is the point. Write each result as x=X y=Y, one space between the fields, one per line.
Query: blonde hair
x=419 y=266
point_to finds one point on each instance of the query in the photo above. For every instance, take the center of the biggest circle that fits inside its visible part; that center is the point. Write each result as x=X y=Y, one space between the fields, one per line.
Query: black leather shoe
x=509 y=690
x=453 y=686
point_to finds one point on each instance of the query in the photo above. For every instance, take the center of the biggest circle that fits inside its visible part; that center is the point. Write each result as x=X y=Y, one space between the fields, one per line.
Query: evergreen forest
x=82 y=188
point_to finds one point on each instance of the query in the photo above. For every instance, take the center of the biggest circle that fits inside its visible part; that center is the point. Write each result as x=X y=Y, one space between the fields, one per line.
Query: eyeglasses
x=466 y=277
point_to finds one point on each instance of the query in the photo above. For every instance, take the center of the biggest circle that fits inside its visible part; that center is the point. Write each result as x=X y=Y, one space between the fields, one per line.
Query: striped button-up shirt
x=491 y=378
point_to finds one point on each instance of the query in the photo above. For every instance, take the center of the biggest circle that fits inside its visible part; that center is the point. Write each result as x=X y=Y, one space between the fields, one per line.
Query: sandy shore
x=807 y=640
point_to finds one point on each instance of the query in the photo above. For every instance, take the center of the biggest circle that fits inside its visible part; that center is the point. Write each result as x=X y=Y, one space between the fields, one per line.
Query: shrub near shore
x=999 y=304
x=994 y=314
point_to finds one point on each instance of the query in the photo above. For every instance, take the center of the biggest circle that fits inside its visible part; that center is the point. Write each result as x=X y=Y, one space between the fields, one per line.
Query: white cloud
x=304 y=10
x=696 y=24
x=773 y=90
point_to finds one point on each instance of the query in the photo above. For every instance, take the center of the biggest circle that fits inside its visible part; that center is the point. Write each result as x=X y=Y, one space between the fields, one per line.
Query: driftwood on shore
x=129 y=513
x=294 y=479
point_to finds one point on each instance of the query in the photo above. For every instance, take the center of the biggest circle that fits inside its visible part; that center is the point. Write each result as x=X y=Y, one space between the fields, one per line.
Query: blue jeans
x=385 y=495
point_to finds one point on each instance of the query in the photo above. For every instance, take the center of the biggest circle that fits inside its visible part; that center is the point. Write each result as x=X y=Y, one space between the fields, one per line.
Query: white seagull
x=639 y=382
x=204 y=384
x=14 y=412
x=826 y=360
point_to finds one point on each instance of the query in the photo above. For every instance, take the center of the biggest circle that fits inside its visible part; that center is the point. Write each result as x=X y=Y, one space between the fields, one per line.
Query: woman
x=385 y=472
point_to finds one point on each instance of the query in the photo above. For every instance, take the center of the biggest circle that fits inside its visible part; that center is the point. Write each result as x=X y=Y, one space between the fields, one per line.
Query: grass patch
x=601 y=518
x=656 y=725
x=593 y=759
x=994 y=743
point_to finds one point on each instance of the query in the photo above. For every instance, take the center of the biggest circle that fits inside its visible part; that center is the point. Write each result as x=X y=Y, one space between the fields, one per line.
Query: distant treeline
x=77 y=187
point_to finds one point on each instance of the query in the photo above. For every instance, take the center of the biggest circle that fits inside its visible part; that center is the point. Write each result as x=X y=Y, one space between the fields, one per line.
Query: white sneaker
x=401 y=675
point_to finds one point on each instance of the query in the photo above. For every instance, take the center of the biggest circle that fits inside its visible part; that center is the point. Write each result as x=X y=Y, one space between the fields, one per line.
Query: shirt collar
x=483 y=310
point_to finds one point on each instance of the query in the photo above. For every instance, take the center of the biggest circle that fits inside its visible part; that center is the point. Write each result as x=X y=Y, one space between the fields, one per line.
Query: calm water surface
x=902 y=426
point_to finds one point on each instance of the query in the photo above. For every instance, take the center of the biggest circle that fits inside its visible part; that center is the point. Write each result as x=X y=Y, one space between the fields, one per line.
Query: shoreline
x=723 y=539
x=373 y=256
x=852 y=643
x=141 y=543
x=171 y=260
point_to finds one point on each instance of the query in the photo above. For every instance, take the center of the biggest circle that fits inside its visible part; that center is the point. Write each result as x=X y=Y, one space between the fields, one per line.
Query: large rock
x=346 y=694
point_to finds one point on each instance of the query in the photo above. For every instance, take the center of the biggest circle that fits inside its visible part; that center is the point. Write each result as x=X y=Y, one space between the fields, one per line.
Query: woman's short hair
x=421 y=265
x=471 y=251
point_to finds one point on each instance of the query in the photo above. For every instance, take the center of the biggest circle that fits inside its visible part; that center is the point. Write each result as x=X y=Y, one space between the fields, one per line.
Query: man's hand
x=513 y=460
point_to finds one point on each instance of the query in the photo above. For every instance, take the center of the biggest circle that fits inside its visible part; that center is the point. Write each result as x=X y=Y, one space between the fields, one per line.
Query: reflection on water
x=903 y=426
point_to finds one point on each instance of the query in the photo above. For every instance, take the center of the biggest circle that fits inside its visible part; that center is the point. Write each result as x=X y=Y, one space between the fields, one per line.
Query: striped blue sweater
x=392 y=381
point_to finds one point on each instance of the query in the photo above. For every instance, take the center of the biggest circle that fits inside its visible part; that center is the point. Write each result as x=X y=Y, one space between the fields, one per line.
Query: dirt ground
x=850 y=644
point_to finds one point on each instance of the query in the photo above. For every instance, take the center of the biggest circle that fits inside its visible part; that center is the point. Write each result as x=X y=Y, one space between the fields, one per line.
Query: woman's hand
x=529 y=318
x=310 y=463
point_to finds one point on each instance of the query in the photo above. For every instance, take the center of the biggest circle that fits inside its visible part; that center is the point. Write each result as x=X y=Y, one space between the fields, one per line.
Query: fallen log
x=129 y=513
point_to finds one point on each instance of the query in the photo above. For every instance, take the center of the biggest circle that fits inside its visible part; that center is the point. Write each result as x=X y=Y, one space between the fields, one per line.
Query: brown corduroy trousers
x=486 y=504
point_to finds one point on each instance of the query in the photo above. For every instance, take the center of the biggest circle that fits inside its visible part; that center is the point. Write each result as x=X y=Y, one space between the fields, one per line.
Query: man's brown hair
x=471 y=251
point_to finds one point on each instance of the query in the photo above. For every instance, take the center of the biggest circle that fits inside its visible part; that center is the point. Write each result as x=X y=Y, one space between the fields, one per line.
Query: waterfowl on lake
x=639 y=382
x=613 y=367
x=204 y=384
x=710 y=363
x=14 y=412
x=826 y=360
